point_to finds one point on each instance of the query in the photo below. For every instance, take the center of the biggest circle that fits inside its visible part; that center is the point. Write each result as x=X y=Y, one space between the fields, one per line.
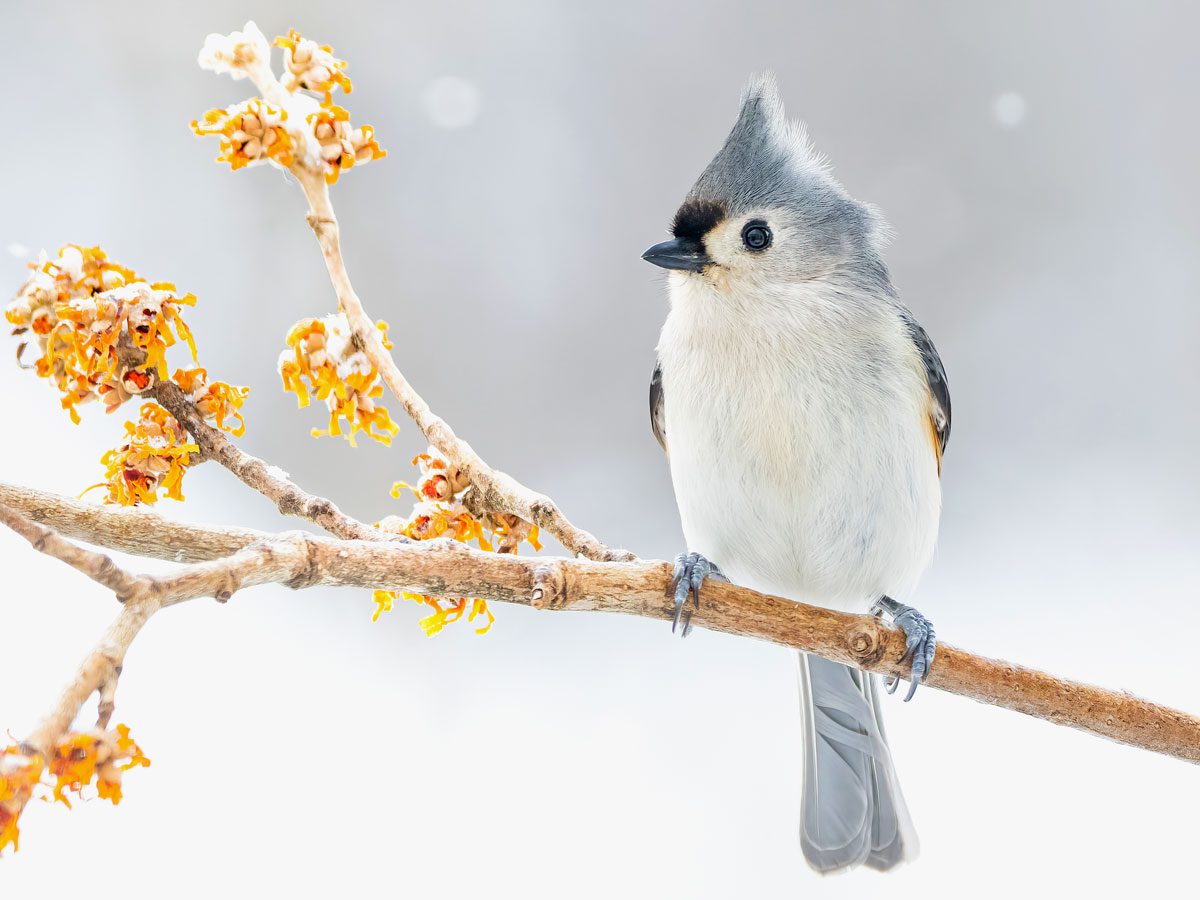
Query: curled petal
x=312 y=66
x=251 y=133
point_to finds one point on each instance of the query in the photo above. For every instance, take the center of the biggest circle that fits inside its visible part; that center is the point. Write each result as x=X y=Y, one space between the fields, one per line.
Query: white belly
x=802 y=464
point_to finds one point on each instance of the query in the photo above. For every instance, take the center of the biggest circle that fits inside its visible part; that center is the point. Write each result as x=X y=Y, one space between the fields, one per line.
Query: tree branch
x=446 y=568
x=134 y=530
x=102 y=666
x=497 y=490
x=98 y=672
x=96 y=566
x=283 y=558
x=290 y=499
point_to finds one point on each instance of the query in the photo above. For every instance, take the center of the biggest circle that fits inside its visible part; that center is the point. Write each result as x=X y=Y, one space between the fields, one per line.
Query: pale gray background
x=300 y=749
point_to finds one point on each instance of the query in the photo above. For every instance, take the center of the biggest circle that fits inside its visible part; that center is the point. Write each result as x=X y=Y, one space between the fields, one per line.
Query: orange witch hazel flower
x=20 y=774
x=341 y=145
x=251 y=132
x=81 y=759
x=150 y=311
x=312 y=66
x=81 y=309
x=440 y=512
x=100 y=756
x=322 y=362
x=155 y=454
x=216 y=400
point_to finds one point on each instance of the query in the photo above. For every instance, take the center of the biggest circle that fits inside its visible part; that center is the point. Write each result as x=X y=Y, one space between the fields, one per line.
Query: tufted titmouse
x=804 y=413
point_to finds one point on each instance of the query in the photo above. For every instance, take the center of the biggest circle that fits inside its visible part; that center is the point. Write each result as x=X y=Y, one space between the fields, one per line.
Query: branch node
x=866 y=642
x=318 y=508
x=542 y=510
x=108 y=693
x=550 y=587
x=309 y=569
x=104 y=713
x=230 y=583
x=616 y=554
x=320 y=223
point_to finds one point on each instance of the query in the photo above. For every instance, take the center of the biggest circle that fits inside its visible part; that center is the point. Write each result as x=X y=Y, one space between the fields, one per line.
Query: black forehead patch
x=696 y=218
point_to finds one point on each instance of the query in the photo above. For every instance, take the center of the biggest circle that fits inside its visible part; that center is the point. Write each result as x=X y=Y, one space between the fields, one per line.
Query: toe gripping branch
x=691 y=571
x=920 y=642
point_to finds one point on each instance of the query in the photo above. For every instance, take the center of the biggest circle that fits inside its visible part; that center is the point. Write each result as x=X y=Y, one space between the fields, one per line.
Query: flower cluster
x=80 y=759
x=290 y=127
x=440 y=511
x=102 y=756
x=102 y=333
x=251 y=132
x=155 y=454
x=323 y=362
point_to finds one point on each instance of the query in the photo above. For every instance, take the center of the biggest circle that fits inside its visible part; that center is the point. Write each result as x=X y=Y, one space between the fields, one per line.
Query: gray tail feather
x=852 y=810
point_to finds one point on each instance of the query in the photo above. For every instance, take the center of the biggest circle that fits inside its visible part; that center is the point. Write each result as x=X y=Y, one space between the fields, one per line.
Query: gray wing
x=939 y=388
x=658 y=422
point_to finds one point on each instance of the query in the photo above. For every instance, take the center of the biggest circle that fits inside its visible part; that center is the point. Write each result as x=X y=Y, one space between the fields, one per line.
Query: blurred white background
x=1038 y=165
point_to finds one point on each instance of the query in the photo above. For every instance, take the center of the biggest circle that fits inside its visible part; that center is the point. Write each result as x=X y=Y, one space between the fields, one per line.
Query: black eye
x=756 y=236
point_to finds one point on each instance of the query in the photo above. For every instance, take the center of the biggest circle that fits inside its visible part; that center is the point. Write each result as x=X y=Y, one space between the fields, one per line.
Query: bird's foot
x=920 y=646
x=691 y=570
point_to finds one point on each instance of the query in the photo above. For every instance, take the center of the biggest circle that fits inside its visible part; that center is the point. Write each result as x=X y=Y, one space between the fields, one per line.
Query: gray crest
x=767 y=162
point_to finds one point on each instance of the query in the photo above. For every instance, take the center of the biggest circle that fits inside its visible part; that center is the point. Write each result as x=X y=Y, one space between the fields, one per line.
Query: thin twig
x=497 y=490
x=96 y=566
x=102 y=665
x=283 y=558
x=271 y=482
x=99 y=670
x=289 y=497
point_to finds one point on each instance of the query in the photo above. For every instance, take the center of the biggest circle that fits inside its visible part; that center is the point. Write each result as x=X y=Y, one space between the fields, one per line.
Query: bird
x=804 y=413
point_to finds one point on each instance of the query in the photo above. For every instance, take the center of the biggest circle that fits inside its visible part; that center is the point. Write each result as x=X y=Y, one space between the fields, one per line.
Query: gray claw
x=920 y=644
x=691 y=570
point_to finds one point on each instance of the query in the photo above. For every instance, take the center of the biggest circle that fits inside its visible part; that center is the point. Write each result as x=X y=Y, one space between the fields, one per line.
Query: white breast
x=799 y=442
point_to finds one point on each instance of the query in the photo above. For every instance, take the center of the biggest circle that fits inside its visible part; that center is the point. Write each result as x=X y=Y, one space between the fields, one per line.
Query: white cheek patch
x=725 y=245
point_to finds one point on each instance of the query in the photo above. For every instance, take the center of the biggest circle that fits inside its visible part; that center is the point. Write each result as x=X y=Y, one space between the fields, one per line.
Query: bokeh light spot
x=451 y=102
x=1009 y=110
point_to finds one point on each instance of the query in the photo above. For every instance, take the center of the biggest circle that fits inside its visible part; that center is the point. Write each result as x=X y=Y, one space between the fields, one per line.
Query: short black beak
x=686 y=254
